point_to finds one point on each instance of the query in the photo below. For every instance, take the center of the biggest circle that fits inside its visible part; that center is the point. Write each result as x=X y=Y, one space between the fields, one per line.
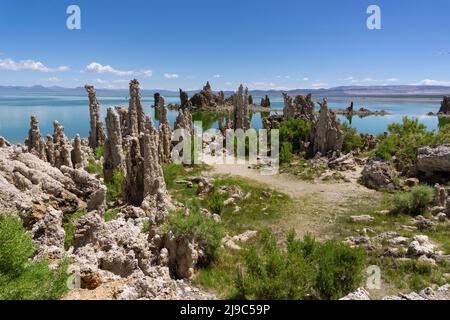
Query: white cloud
x=305 y=79
x=171 y=76
x=347 y=79
x=393 y=80
x=217 y=76
x=147 y=73
x=95 y=67
x=228 y=83
x=29 y=65
x=430 y=82
x=190 y=77
x=54 y=79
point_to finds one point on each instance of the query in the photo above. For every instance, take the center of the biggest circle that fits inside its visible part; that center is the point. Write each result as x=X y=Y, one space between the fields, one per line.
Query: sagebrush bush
x=352 y=139
x=294 y=131
x=414 y=202
x=205 y=231
x=286 y=152
x=305 y=268
x=21 y=278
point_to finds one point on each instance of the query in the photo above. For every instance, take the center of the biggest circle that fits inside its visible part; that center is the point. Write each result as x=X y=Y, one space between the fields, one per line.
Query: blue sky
x=169 y=44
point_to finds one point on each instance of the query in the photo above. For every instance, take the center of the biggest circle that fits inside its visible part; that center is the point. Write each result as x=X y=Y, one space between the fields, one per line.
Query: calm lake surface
x=73 y=113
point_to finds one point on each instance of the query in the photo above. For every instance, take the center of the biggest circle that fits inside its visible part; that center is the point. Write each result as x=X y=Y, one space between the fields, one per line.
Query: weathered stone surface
x=49 y=234
x=62 y=147
x=184 y=99
x=434 y=160
x=205 y=99
x=265 y=102
x=184 y=121
x=78 y=157
x=165 y=133
x=135 y=120
x=328 y=136
x=359 y=294
x=378 y=175
x=300 y=107
x=97 y=132
x=4 y=142
x=114 y=155
x=445 y=106
x=132 y=187
x=35 y=143
x=183 y=255
x=240 y=113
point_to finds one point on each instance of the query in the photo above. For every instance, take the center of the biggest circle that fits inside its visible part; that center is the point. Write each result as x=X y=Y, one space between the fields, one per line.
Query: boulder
x=378 y=175
x=434 y=160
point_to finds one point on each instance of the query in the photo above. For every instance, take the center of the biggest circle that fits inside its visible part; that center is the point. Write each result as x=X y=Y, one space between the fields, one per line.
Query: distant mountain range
x=344 y=91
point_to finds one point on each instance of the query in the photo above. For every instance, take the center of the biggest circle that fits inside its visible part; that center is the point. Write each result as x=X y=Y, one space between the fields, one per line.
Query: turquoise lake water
x=73 y=113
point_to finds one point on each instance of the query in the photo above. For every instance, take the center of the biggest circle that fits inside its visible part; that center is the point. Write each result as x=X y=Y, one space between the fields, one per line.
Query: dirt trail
x=296 y=188
x=317 y=215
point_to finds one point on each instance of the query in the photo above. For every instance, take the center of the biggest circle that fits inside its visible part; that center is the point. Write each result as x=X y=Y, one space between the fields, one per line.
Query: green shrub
x=405 y=139
x=286 y=152
x=94 y=167
x=294 y=131
x=216 y=202
x=339 y=269
x=114 y=187
x=99 y=152
x=352 y=140
x=21 y=278
x=414 y=202
x=206 y=232
x=305 y=268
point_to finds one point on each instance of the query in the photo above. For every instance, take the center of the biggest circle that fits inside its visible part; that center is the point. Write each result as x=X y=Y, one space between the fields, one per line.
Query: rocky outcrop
x=328 y=136
x=97 y=132
x=184 y=99
x=78 y=156
x=184 y=121
x=265 y=102
x=378 y=175
x=165 y=133
x=434 y=160
x=300 y=107
x=4 y=142
x=183 y=255
x=135 y=121
x=49 y=235
x=445 y=106
x=62 y=146
x=442 y=293
x=35 y=142
x=206 y=100
x=29 y=185
x=114 y=155
x=240 y=113
x=132 y=187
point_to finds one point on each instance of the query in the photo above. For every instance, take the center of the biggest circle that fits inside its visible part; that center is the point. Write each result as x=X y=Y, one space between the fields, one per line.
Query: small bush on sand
x=352 y=140
x=414 y=202
x=305 y=268
x=216 y=202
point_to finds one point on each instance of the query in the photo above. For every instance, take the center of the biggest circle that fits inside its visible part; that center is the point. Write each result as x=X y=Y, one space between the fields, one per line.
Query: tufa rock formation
x=300 y=107
x=265 y=102
x=114 y=156
x=62 y=147
x=445 y=106
x=241 y=116
x=206 y=100
x=165 y=133
x=35 y=143
x=97 y=133
x=328 y=137
x=434 y=161
x=184 y=99
x=136 y=117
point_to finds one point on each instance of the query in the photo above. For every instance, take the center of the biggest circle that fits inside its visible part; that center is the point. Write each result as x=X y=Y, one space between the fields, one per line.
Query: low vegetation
x=69 y=227
x=352 y=139
x=204 y=231
x=414 y=202
x=404 y=139
x=114 y=187
x=20 y=277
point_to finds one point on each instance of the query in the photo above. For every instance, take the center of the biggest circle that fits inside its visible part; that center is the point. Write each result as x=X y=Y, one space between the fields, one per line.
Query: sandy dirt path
x=296 y=188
